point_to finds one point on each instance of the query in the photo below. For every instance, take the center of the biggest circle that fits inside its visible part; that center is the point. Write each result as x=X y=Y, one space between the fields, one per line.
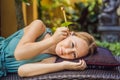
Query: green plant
x=84 y=15
x=54 y=16
x=66 y=23
x=114 y=47
x=88 y=16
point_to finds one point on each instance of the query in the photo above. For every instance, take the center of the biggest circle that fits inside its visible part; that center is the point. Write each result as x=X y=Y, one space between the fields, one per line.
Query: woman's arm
x=34 y=69
x=27 y=47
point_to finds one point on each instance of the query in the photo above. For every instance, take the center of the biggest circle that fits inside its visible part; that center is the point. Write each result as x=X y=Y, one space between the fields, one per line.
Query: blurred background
x=16 y=14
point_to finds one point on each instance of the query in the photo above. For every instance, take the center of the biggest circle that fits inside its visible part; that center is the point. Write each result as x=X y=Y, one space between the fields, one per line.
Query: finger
x=80 y=62
x=83 y=66
x=65 y=29
x=80 y=67
x=65 y=33
x=84 y=63
x=64 y=37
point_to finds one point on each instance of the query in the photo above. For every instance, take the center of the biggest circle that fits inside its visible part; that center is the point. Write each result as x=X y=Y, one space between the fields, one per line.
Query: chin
x=62 y=57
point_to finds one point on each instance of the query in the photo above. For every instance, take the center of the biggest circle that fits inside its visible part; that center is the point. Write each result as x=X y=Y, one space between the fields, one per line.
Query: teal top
x=8 y=63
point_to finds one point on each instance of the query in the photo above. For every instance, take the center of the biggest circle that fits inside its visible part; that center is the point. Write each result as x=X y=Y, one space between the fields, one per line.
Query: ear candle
x=63 y=10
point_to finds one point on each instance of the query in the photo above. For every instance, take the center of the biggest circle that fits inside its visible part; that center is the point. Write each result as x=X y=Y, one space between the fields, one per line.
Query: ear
x=92 y=48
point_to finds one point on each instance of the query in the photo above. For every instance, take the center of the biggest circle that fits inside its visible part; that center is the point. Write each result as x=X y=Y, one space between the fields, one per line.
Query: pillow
x=101 y=59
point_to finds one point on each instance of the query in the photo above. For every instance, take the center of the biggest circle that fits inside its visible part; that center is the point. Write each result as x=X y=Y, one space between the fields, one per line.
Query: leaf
x=66 y=24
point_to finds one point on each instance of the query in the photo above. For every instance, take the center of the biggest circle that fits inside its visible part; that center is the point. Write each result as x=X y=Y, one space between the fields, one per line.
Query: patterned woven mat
x=89 y=74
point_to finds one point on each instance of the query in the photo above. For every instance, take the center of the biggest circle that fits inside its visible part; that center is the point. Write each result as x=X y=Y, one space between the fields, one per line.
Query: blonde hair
x=89 y=39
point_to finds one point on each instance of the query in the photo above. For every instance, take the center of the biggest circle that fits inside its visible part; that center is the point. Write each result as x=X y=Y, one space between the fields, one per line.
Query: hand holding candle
x=66 y=23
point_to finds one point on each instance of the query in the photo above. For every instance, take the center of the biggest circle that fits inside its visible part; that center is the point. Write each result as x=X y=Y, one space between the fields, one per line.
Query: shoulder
x=36 y=25
x=36 y=28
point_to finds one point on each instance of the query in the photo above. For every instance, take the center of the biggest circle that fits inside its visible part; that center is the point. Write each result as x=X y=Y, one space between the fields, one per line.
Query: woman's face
x=72 y=47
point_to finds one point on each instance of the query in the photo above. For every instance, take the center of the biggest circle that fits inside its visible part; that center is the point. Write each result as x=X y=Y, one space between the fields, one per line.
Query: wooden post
x=19 y=14
x=35 y=13
x=30 y=12
x=0 y=17
x=24 y=13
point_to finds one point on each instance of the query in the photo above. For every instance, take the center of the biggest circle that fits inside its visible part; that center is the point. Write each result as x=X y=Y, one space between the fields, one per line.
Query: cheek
x=63 y=43
x=57 y=50
x=58 y=47
x=83 y=51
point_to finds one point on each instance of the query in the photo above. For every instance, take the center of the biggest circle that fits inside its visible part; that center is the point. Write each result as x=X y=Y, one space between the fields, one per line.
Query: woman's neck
x=50 y=50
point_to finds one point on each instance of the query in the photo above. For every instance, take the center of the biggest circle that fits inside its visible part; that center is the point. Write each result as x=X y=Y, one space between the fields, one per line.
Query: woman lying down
x=24 y=51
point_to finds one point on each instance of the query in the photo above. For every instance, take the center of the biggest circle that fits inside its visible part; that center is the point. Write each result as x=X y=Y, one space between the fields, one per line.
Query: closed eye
x=73 y=52
x=72 y=45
